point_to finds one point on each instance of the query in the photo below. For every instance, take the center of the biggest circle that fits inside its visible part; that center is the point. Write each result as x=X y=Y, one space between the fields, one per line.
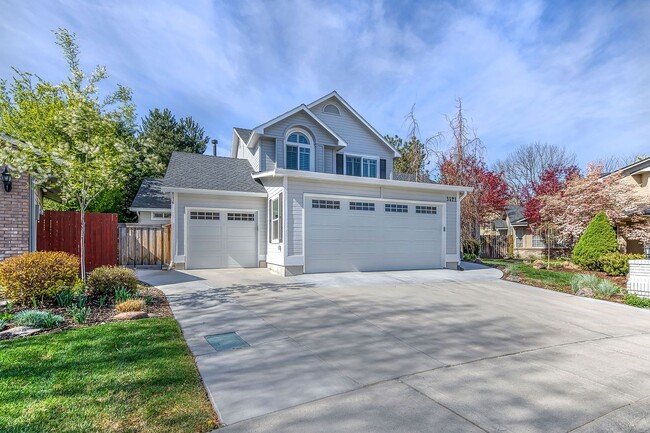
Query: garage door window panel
x=241 y=216
x=430 y=210
x=364 y=206
x=326 y=204
x=397 y=208
x=214 y=216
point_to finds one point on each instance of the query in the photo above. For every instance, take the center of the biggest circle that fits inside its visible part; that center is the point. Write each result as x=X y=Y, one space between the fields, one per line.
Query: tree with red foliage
x=551 y=181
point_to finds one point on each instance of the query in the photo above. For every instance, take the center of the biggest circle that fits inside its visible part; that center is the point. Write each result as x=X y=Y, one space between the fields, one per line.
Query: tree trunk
x=83 y=244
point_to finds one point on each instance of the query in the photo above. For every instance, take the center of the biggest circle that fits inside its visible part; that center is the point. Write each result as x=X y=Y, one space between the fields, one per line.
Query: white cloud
x=573 y=74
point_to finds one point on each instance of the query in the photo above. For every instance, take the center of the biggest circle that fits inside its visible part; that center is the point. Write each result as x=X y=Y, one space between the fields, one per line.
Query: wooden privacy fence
x=61 y=231
x=494 y=246
x=144 y=245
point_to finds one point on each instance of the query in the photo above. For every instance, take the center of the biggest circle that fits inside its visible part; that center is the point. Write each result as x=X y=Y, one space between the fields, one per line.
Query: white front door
x=363 y=234
x=221 y=239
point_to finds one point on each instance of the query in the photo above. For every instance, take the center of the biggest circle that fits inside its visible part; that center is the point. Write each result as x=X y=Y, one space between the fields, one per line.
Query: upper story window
x=361 y=166
x=299 y=153
x=331 y=109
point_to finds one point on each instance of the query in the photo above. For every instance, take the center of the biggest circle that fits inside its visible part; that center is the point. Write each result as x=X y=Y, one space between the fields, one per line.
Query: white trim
x=356 y=155
x=353 y=111
x=145 y=209
x=311 y=146
x=443 y=215
x=338 y=113
x=214 y=192
x=211 y=209
x=259 y=130
x=163 y=218
x=337 y=178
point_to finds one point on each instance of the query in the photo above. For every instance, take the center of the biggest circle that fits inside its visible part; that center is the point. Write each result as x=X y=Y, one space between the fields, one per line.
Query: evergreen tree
x=598 y=239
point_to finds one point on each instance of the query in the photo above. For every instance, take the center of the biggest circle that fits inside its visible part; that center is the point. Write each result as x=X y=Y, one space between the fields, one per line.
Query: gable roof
x=151 y=196
x=301 y=108
x=516 y=215
x=636 y=167
x=244 y=134
x=499 y=224
x=334 y=94
x=191 y=171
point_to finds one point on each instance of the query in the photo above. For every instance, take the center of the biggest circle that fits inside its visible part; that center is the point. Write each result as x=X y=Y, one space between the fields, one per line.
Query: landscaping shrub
x=130 y=305
x=617 y=264
x=65 y=298
x=37 y=319
x=106 y=279
x=79 y=314
x=598 y=239
x=2 y=324
x=469 y=257
x=637 y=301
x=606 y=288
x=122 y=294
x=473 y=246
x=581 y=281
x=37 y=275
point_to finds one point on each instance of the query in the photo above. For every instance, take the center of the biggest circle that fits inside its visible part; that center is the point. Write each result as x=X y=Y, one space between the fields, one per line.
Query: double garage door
x=362 y=234
x=221 y=239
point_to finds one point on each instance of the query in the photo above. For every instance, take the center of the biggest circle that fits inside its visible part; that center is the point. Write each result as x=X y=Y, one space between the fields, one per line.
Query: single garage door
x=221 y=239
x=366 y=235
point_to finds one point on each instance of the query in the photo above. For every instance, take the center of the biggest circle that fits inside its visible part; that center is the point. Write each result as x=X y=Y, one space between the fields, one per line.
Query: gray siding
x=144 y=217
x=329 y=165
x=267 y=154
x=300 y=120
x=360 y=139
x=252 y=156
x=219 y=202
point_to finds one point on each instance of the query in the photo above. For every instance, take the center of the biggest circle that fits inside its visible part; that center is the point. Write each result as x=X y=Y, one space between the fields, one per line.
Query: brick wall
x=14 y=218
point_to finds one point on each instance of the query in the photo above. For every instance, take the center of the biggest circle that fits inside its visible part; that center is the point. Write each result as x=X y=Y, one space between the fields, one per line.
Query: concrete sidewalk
x=412 y=351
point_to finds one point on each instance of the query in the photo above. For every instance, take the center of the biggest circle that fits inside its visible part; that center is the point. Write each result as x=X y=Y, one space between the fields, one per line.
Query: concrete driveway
x=417 y=351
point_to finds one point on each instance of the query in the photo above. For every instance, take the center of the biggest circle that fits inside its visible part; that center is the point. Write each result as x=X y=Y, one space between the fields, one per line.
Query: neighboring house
x=312 y=190
x=20 y=209
x=151 y=204
x=526 y=243
x=637 y=174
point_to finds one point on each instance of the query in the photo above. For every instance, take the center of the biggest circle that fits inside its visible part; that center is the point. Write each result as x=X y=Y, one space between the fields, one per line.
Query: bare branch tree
x=615 y=162
x=523 y=167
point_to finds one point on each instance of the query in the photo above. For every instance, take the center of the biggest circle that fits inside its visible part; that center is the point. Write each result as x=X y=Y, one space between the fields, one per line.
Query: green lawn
x=552 y=279
x=134 y=376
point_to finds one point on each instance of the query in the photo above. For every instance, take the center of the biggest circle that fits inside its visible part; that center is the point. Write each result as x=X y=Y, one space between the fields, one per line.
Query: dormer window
x=331 y=109
x=299 y=153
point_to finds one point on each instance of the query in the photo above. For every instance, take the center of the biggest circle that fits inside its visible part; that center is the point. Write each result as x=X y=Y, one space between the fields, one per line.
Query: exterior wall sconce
x=6 y=179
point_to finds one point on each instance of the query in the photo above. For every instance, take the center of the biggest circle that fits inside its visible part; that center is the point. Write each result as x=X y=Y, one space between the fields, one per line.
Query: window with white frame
x=519 y=237
x=201 y=215
x=237 y=216
x=538 y=241
x=361 y=166
x=358 y=205
x=298 y=151
x=399 y=208
x=326 y=204
x=431 y=210
x=161 y=215
x=275 y=219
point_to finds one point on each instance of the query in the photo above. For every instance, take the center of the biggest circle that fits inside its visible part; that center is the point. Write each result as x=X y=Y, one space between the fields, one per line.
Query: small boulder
x=586 y=292
x=18 y=331
x=131 y=315
x=539 y=264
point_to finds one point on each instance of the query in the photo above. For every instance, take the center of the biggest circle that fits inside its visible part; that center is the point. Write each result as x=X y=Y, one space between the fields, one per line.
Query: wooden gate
x=61 y=231
x=145 y=245
x=494 y=246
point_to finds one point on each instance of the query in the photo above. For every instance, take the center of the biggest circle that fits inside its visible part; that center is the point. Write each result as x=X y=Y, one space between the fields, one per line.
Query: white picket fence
x=638 y=281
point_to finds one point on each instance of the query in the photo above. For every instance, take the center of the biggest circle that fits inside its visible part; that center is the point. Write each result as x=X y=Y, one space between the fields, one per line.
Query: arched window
x=331 y=109
x=299 y=153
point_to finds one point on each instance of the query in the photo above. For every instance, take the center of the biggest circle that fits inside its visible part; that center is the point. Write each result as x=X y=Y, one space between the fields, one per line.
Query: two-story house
x=312 y=190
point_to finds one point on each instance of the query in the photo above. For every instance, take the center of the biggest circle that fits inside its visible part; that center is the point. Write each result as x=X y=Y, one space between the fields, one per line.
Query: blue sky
x=573 y=73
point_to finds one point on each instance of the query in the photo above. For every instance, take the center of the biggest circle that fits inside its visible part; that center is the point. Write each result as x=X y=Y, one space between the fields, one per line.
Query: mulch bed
x=158 y=307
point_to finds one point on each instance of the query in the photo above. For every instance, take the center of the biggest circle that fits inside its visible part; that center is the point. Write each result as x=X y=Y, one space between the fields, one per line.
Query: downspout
x=460 y=247
x=173 y=223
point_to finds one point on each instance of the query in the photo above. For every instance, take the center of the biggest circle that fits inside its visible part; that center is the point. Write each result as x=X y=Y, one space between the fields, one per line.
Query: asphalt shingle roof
x=150 y=195
x=193 y=171
x=244 y=133
x=500 y=224
x=516 y=214
x=409 y=177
